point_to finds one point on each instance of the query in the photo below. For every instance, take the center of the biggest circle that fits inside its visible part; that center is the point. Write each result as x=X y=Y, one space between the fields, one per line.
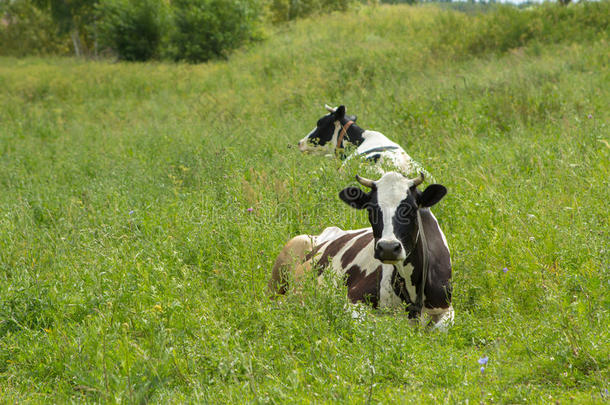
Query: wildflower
x=482 y=369
x=250 y=209
x=483 y=360
x=131 y=212
x=590 y=116
x=505 y=270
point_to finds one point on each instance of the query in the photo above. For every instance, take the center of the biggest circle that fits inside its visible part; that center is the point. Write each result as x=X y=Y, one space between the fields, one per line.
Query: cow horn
x=329 y=108
x=418 y=180
x=365 y=182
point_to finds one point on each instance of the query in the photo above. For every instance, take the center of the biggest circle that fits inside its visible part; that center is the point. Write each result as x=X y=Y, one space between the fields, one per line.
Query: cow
x=401 y=260
x=336 y=129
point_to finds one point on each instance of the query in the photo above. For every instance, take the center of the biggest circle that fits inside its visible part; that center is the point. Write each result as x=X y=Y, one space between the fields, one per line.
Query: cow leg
x=290 y=262
x=442 y=320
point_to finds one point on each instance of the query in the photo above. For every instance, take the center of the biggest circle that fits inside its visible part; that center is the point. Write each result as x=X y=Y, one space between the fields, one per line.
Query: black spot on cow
x=362 y=287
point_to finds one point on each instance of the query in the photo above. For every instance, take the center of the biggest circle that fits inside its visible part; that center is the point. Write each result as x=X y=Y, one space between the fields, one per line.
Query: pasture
x=133 y=269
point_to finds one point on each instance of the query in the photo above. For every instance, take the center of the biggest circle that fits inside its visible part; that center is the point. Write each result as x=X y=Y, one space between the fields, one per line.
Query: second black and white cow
x=402 y=259
x=336 y=129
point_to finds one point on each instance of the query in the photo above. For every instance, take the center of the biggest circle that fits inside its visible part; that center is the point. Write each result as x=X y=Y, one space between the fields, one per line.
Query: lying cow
x=334 y=130
x=402 y=259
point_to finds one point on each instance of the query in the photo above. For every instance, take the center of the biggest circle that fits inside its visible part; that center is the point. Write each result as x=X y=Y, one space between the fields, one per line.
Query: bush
x=27 y=30
x=507 y=27
x=206 y=29
x=286 y=10
x=132 y=28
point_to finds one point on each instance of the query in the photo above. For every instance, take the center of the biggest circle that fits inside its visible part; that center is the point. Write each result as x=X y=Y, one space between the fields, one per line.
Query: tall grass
x=131 y=269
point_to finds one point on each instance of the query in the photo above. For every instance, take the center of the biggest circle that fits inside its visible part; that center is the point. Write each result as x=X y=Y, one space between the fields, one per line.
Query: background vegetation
x=131 y=268
x=134 y=30
x=200 y=30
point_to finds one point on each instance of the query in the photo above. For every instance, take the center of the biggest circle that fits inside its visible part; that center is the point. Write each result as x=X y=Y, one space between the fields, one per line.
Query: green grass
x=131 y=271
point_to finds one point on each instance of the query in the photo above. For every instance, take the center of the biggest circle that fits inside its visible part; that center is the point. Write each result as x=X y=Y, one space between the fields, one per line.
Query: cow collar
x=342 y=135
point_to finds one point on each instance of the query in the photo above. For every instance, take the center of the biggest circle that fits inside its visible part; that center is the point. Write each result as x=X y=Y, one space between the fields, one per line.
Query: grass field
x=131 y=269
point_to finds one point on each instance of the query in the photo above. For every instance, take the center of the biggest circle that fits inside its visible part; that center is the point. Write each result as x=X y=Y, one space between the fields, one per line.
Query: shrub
x=507 y=27
x=286 y=10
x=132 y=28
x=27 y=30
x=206 y=29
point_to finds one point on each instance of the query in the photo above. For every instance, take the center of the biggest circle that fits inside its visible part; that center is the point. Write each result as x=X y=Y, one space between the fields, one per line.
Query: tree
x=75 y=17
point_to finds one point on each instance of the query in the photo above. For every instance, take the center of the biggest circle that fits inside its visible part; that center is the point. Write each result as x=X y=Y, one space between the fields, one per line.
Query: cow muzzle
x=389 y=251
x=303 y=147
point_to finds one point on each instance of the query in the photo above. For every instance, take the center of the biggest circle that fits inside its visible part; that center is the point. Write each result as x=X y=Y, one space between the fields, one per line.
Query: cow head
x=323 y=137
x=392 y=205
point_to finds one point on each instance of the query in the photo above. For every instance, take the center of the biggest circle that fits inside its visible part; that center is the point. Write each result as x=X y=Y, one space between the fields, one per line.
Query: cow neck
x=425 y=258
x=350 y=132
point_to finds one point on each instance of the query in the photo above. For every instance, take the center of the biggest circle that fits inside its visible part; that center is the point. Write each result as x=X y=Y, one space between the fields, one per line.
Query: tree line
x=139 y=30
x=200 y=30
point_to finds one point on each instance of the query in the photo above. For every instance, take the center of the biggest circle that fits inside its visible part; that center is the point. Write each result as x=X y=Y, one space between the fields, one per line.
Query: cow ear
x=431 y=195
x=340 y=113
x=354 y=197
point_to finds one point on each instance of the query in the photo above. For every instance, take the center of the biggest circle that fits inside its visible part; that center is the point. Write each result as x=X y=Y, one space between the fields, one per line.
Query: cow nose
x=388 y=250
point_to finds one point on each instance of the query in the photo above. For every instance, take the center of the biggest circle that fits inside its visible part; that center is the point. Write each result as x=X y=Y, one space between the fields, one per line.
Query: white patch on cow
x=333 y=233
x=406 y=272
x=336 y=262
x=329 y=234
x=396 y=158
x=374 y=139
x=392 y=188
x=401 y=162
x=387 y=296
x=365 y=259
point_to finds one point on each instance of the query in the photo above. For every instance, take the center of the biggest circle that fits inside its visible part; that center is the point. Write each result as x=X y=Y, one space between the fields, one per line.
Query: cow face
x=323 y=137
x=392 y=206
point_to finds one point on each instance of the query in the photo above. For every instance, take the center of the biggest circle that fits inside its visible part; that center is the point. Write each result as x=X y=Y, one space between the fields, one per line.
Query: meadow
x=133 y=270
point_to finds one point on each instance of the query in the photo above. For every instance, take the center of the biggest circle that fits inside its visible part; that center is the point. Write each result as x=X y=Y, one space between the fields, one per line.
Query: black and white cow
x=336 y=129
x=402 y=259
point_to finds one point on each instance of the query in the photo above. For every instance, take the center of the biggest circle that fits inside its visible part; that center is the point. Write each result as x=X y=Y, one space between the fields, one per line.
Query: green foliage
x=286 y=10
x=206 y=29
x=508 y=27
x=132 y=271
x=398 y=1
x=132 y=28
x=27 y=30
x=74 y=17
x=69 y=13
